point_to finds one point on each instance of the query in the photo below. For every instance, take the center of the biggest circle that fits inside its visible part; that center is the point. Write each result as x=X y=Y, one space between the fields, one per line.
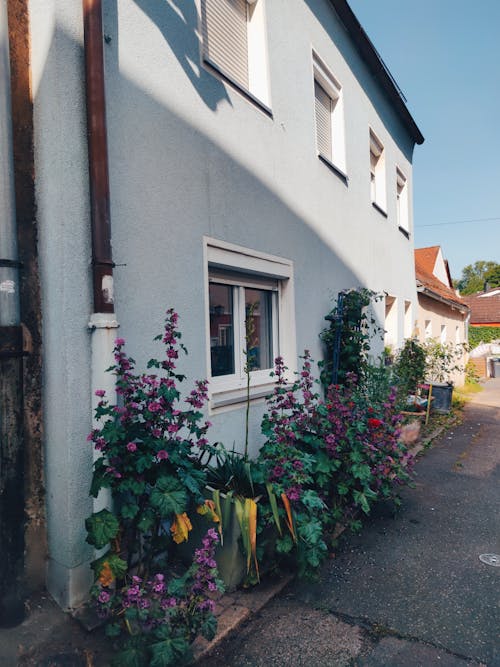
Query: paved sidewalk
x=410 y=590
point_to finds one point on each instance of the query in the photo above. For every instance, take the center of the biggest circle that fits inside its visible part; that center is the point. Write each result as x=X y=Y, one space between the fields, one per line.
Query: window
x=457 y=334
x=443 y=334
x=428 y=330
x=234 y=43
x=377 y=172
x=391 y=338
x=329 y=111
x=408 y=320
x=246 y=286
x=402 y=201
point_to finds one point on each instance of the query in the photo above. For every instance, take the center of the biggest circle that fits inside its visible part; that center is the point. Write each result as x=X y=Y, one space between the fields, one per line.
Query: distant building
x=442 y=313
x=484 y=308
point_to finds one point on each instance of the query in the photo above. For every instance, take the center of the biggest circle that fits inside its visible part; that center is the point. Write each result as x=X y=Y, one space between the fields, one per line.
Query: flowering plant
x=327 y=459
x=159 y=619
x=150 y=444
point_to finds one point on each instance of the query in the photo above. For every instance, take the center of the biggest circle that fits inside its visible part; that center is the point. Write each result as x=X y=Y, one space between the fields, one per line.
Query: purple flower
x=104 y=597
x=162 y=455
x=131 y=447
x=119 y=342
x=100 y=392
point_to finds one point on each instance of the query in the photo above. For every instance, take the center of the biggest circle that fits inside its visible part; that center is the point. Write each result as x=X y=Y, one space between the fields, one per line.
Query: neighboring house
x=442 y=314
x=484 y=308
x=257 y=152
x=485 y=313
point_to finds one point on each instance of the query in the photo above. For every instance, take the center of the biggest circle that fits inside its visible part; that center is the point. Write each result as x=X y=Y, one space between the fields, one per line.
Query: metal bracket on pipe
x=10 y=264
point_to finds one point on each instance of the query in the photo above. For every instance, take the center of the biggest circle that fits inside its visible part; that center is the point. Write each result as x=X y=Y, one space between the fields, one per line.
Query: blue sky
x=445 y=56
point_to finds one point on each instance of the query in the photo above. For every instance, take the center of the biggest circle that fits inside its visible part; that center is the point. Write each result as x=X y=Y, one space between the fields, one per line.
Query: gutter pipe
x=103 y=323
x=12 y=520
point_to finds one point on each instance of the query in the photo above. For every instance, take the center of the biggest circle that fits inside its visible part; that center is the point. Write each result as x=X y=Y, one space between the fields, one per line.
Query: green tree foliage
x=476 y=276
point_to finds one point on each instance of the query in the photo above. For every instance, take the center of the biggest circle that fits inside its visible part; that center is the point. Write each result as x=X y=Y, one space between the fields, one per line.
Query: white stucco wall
x=190 y=156
x=64 y=246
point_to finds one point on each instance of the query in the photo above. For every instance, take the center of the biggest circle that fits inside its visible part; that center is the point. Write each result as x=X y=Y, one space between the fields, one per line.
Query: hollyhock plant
x=150 y=444
x=328 y=458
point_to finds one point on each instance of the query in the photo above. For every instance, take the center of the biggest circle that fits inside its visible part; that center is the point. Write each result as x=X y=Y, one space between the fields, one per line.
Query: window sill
x=212 y=67
x=338 y=172
x=234 y=398
x=378 y=208
x=404 y=231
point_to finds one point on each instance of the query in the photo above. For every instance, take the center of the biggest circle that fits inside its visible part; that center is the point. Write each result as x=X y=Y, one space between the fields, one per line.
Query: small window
x=443 y=334
x=250 y=319
x=408 y=320
x=428 y=329
x=377 y=172
x=329 y=113
x=391 y=336
x=234 y=43
x=402 y=201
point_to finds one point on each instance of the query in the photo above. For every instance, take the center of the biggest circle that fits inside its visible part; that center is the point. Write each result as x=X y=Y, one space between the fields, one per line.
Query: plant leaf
x=101 y=527
x=274 y=506
x=169 y=496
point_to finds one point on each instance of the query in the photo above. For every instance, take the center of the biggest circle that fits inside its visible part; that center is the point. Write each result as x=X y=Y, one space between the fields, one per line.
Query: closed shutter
x=225 y=39
x=323 y=108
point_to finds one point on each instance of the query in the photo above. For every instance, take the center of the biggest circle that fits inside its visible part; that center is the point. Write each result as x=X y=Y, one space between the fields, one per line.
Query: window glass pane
x=221 y=329
x=258 y=307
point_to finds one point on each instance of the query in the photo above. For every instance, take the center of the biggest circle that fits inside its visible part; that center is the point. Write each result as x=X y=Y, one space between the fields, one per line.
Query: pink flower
x=119 y=342
x=100 y=392
x=131 y=447
x=162 y=455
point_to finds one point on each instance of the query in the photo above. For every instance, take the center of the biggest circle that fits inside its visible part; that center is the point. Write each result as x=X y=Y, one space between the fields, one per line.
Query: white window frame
x=377 y=173
x=443 y=334
x=335 y=152
x=427 y=329
x=402 y=210
x=256 y=82
x=242 y=267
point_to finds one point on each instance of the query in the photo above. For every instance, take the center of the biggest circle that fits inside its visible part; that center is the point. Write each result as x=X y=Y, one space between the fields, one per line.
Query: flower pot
x=442 y=395
x=231 y=562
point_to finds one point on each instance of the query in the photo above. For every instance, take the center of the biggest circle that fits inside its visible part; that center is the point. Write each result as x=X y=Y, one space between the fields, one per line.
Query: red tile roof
x=425 y=261
x=484 y=309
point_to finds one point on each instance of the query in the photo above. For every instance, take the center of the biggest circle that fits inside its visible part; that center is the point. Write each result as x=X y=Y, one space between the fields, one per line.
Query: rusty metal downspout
x=103 y=323
x=102 y=263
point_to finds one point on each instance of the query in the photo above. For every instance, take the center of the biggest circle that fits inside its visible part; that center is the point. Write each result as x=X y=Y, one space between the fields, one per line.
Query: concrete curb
x=235 y=608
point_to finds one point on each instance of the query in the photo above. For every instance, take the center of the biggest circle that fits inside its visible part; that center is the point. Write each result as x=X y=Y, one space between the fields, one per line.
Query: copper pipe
x=102 y=263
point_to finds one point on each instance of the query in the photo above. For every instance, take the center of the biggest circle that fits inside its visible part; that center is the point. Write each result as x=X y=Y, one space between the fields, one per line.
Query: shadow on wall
x=178 y=22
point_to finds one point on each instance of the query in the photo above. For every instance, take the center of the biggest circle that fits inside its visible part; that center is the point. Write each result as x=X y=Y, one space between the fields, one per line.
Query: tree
x=475 y=276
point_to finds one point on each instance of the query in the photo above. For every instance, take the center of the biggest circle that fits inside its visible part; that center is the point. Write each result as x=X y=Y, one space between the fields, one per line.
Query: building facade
x=259 y=154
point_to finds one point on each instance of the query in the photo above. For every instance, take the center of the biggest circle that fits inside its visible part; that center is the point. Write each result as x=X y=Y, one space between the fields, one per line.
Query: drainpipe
x=11 y=365
x=103 y=323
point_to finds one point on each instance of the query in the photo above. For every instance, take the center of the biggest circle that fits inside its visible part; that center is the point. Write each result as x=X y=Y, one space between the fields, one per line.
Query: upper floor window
x=234 y=43
x=377 y=172
x=402 y=201
x=329 y=111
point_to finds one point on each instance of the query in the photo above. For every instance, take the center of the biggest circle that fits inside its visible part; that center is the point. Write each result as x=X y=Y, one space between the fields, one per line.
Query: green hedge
x=479 y=335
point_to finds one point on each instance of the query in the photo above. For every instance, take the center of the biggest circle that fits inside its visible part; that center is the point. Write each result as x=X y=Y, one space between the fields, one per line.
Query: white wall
x=190 y=156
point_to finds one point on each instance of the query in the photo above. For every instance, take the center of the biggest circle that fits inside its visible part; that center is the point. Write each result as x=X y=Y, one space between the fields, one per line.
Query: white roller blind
x=225 y=38
x=323 y=108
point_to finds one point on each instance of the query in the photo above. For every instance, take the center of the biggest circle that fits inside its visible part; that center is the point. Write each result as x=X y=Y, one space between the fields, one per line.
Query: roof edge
x=461 y=307
x=377 y=66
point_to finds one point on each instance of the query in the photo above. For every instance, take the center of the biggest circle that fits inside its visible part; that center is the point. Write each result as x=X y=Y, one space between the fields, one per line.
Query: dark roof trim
x=377 y=66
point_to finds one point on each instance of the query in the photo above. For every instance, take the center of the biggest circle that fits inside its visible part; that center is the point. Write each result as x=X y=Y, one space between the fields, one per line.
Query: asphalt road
x=410 y=590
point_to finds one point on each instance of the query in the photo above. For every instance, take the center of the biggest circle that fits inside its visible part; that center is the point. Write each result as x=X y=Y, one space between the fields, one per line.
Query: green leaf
x=311 y=532
x=312 y=501
x=284 y=544
x=169 y=496
x=177 y=585
x=168 y=651
x=323 y=463
x=116 y=564
x=146 y=523
x=113 y=630
x=342 y=489
x=135 y=655
x=129 y=511
x=209 y=628
x=99 y=478
x=101 y=528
